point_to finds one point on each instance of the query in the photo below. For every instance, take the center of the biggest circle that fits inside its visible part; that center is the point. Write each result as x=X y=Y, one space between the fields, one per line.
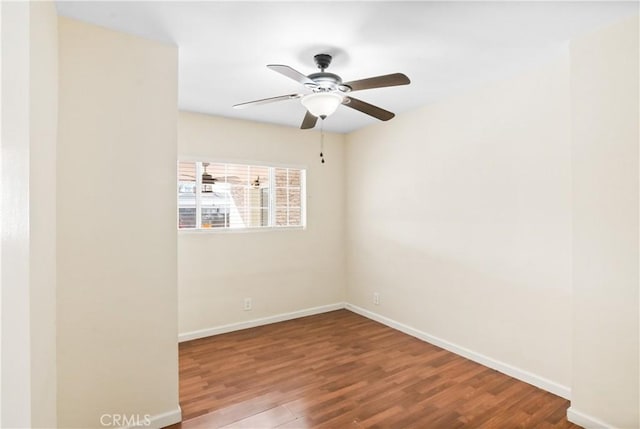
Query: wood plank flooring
x=340 y=370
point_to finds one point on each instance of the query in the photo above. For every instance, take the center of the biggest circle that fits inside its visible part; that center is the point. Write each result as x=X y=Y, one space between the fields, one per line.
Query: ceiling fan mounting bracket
x=322 y=61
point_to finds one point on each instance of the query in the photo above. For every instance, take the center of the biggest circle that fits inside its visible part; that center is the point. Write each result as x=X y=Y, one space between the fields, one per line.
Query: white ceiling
x=444 y=47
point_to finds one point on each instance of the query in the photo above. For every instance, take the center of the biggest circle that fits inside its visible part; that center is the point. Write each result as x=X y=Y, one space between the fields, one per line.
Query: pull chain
x=322 y=140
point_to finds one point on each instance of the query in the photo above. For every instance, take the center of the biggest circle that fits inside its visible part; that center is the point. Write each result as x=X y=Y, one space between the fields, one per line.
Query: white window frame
x=272 y=207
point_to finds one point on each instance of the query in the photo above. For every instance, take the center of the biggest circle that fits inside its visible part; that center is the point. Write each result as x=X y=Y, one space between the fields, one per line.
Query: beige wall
x=42 y=210
x=459 y=215
x=15 y=388
x=116 y=211
x=604 y=97
x=282 y=271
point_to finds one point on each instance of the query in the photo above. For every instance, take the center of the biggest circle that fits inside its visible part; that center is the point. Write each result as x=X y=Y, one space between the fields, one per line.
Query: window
x=238 y=196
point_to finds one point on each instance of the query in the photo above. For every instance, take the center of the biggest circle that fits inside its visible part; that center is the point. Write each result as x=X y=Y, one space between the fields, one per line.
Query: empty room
x=305 y=214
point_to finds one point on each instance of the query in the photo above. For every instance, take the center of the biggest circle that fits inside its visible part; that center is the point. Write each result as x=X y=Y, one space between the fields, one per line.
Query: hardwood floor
x=341 y=370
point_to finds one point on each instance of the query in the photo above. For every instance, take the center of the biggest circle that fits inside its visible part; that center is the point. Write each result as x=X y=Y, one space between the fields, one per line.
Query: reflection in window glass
x=288 y=196
x=239 y=196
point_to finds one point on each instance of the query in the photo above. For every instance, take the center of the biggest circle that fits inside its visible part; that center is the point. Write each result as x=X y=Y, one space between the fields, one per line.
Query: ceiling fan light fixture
x=322 y=104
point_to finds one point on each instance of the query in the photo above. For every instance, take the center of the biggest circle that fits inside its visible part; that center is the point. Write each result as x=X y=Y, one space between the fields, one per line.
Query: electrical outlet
x=247 y=304
x=376 y=298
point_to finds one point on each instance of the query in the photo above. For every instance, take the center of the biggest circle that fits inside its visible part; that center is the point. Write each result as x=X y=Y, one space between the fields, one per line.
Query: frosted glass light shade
x=322 y=104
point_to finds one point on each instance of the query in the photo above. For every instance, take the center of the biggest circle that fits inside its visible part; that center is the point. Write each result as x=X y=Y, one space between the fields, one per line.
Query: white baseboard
x=158 y=421
x=166 y=419
x=585 y=420
x=202 y=333
x=520 y=374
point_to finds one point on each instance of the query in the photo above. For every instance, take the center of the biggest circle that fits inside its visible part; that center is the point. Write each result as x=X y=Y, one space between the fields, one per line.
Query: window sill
x=239 y=230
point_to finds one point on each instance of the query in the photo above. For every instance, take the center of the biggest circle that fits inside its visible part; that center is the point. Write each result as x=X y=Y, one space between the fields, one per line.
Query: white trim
x=503 y=367
x=585 y=420
x=161 y=420
x=263 y=163
x=198 y=178
x=216 y=330
x=303 y=197
x=272 y=196
x=188 y=231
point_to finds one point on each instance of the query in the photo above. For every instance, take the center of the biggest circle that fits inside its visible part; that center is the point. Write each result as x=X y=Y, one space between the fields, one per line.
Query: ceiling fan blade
x=394 y=79
x=369 y=109
x=309 y=121
x=292 y=74
x=266 y=101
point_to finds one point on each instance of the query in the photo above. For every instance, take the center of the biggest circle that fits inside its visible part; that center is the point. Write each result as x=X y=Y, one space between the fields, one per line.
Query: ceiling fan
x=328 y=92
x=208 y=179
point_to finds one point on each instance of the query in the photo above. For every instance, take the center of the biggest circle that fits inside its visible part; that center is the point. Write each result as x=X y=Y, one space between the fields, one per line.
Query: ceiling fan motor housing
x=322 y=61
x=326 y=81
